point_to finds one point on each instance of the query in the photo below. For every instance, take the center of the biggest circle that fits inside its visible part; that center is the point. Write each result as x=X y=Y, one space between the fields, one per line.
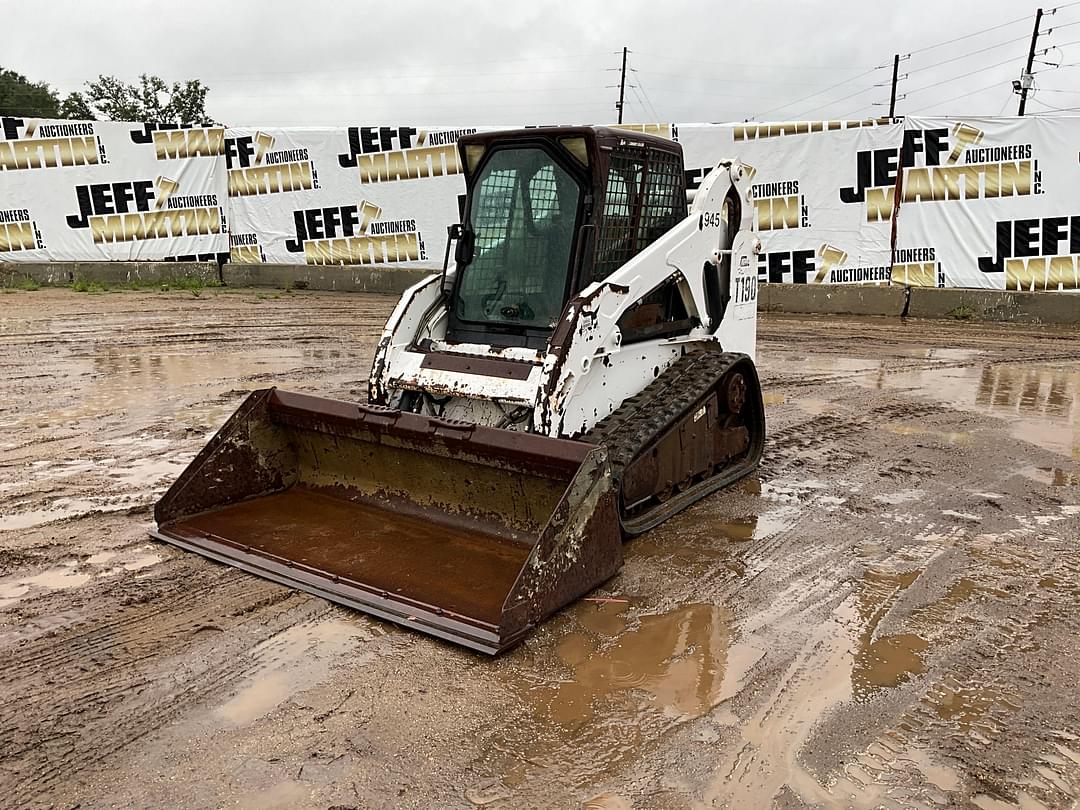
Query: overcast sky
x=322 y=62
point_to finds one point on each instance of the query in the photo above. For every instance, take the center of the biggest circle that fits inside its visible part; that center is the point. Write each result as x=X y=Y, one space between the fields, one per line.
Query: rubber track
x=636 y=424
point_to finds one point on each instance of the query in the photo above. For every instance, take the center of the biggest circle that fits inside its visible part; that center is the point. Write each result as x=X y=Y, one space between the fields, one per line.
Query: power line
x=855 y=113
x=961 y=76
x=962 y=95
x=646 y=114
x=1008 y=98
x=836 y=101
x=688 y=91
x=441 y=75
x=655 y=114
x=1060 y=45
x=506 y=91
x=1052 y=107
x=924 y=49
x=966 y=55
x=819 y=92
x=1054 y=28
x=729 y=77
x=356 y=68
x=736 y=64
x=975 y=33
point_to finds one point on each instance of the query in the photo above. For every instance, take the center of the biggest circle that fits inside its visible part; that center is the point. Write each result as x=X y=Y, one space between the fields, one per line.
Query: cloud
x=325 y=62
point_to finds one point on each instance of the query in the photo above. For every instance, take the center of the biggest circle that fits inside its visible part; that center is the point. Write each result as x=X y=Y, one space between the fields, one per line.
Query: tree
x=151 y=100
x=75 y=108
x=21 y=97
x=108 y=98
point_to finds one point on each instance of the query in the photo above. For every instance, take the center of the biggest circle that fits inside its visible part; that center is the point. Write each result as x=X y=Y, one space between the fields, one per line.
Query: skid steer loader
x=580 y=372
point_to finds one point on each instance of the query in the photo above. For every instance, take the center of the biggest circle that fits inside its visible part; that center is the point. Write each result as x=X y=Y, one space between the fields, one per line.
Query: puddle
x=74 y=574
x=963 y=706
x=136 y=560
x=675 y=660
x=604 y=618
x=897 y=498
x=949 y=437
x=816 y=407
x=1040 y=402
x=759 y=527
x=147 y=472
x=133 y=463
x=820 y=362
x=285 y=795
x=142 y=386
x=843 y=658
x=949 y=355
x=741 y=530
x=607 y=801
x=886 y=661
x=1023 y=802
x=618 y=681
x=142 y=561
x=60 y=578
x=63 y=508
x=940 y=776
x=291 y=662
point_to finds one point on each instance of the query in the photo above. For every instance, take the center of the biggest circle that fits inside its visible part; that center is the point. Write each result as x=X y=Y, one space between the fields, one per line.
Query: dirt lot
x=887 y=615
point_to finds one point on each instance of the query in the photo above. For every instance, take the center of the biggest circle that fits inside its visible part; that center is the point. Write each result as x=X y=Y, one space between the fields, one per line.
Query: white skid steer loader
x=581 y=372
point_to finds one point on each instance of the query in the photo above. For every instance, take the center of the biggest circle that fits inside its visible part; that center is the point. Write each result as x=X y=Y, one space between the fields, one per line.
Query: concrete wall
x=812 y=299
x=342 y=278
x=995 y=305
x=832 y=299
x=921 y=302
x=64 y=273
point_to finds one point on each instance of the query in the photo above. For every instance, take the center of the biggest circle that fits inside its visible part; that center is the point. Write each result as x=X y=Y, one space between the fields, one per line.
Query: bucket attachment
x=469 y=533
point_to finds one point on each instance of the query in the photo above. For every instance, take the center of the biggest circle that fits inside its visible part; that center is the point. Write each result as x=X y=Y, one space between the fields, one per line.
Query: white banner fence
x=974 y=202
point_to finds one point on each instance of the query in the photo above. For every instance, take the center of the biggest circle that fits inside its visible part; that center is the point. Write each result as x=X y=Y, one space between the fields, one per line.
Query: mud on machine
x=580 y=372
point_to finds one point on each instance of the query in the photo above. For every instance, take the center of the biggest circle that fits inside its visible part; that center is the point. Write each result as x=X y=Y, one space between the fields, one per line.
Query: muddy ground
x=886 y=615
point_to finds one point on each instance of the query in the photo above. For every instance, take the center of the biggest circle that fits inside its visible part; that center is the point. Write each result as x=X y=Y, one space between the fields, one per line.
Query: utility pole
x=895 y=75
x=1025 y=77
x=622 y=81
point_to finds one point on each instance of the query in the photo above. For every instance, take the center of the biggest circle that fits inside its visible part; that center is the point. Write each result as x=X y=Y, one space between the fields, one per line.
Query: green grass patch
x=26 y=284
x=86 y=286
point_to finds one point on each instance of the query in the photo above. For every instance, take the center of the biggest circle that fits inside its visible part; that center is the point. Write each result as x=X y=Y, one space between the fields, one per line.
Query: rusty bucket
x=469 y=533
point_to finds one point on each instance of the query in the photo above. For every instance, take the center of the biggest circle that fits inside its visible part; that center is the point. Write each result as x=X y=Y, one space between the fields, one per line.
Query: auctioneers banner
x=974 y=202
x=802 y=174
x=75 y=191
x=349 y=195
x=989 y=202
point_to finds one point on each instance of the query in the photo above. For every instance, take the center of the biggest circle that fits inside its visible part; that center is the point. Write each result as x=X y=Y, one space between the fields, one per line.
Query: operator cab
x=548 y=211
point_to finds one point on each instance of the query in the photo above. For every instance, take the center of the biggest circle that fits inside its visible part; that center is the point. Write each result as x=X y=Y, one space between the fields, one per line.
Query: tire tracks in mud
x=836 y=580
x=97 y=669
x=826 y=608
x=83 y=694
x=896 y=769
